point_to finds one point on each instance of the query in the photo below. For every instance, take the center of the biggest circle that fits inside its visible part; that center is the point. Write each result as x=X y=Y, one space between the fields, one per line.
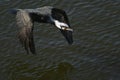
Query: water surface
x=94 y=55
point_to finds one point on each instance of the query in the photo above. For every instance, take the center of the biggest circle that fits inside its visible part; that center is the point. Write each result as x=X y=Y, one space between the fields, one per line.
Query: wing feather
x=68 y=35
x=25 y=34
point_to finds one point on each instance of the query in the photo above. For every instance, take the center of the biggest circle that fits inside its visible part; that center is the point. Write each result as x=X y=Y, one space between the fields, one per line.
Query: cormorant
x=47 y=14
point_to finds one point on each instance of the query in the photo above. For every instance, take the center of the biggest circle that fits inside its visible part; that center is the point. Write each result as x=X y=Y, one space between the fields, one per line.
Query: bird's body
x=26 y=18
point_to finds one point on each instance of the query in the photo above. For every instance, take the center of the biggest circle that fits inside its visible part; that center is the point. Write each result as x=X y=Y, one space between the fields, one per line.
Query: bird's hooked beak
x=62 y=26
x=66 y=28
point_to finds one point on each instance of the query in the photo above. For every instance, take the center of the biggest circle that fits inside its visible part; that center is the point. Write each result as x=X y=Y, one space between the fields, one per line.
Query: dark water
x=95 y=54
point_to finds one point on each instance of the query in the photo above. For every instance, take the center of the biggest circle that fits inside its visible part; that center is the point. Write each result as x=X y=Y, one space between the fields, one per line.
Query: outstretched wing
x=25 y=34
x=68 y=35
x=61 y=15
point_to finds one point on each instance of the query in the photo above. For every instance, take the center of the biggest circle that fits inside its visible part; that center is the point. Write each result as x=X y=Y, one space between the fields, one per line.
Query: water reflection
x=61 y=72
x=21 y=71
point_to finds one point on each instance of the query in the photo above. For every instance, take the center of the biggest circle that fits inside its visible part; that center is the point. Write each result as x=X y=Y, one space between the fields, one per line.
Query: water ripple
x=94 y=54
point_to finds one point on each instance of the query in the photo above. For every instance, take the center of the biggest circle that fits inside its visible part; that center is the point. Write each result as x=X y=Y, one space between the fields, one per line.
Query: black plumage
x=26 y=18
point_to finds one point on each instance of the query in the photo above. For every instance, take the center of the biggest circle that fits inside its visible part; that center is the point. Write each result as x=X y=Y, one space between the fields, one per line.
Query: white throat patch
x=60 y=24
